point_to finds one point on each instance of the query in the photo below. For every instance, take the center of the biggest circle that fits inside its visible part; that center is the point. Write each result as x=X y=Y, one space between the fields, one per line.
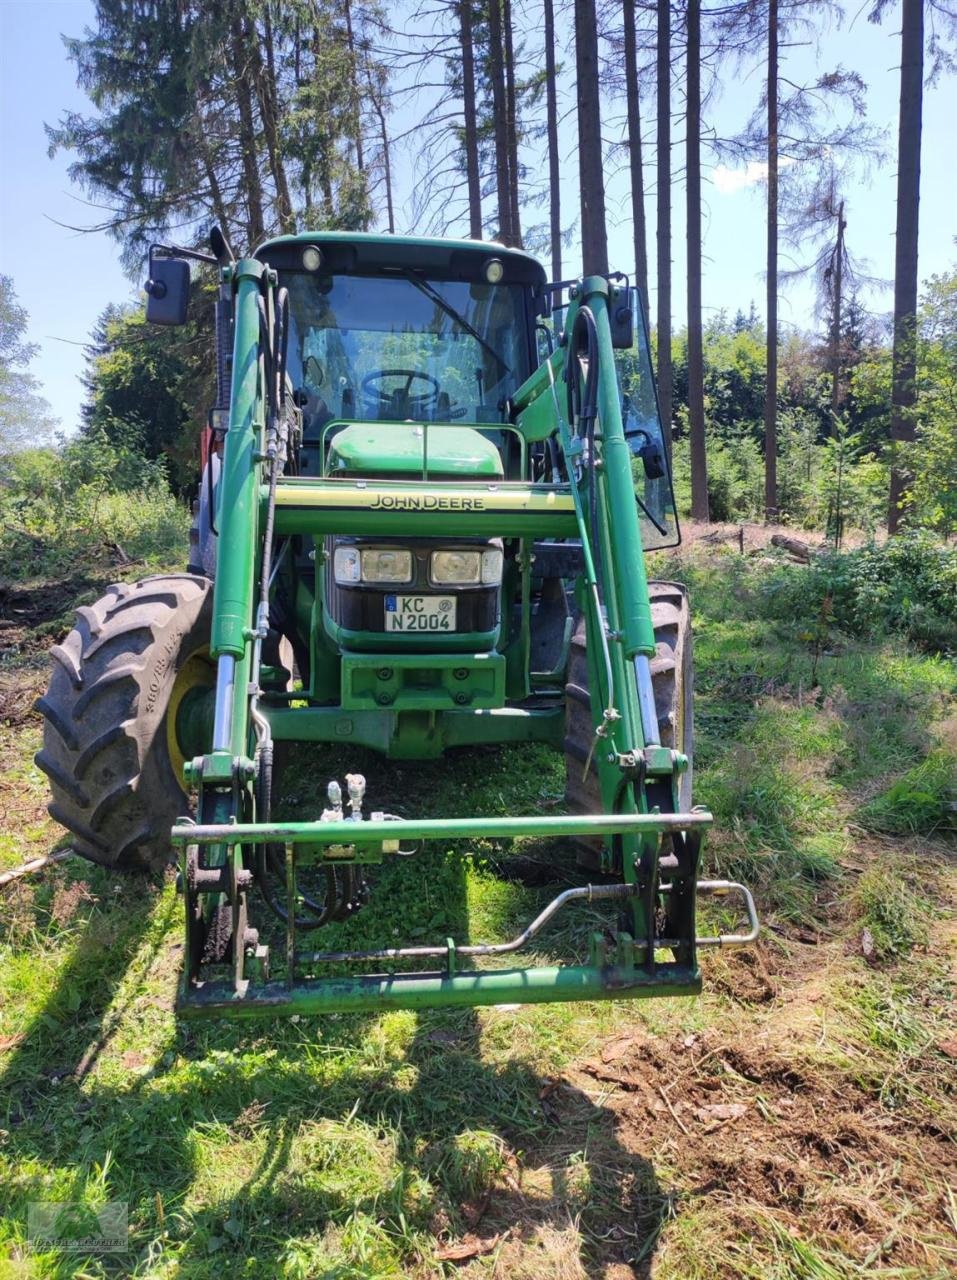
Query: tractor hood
x=408 y=448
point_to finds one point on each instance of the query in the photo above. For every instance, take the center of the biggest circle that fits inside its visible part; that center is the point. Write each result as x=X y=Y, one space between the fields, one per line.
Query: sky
x=65 y=278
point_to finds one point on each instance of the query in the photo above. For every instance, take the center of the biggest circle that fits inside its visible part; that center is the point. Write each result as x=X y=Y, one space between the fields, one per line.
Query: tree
x=25 y=417
x=663 y=233
x=771 y=391
x=147 y=388
x=904 y=384
x=590 y=168
x=470 y=128
x=932 y=492
x=635 y=165
x=551 y=128
x=243 y=112
x=699 y=462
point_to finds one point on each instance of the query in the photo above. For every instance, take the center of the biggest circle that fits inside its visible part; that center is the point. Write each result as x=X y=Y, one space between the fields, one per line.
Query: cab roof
x=365 y=253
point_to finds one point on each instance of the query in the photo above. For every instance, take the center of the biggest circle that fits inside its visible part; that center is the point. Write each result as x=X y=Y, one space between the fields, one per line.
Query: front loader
x=429 y=478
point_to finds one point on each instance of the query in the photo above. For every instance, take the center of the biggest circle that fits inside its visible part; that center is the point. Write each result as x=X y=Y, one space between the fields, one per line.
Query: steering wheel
x=401 y=401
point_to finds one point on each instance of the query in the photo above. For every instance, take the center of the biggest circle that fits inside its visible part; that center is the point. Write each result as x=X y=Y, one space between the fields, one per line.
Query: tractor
x=428 y=481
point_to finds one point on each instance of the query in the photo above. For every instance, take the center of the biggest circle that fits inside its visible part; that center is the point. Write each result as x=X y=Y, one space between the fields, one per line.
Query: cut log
x=799 y=550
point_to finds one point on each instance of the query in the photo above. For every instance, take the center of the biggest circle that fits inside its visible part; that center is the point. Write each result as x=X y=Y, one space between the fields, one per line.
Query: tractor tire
x=112 y=763
x=672 y=678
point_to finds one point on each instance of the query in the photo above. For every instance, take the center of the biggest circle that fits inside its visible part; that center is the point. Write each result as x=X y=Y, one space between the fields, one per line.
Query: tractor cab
x=405 y=358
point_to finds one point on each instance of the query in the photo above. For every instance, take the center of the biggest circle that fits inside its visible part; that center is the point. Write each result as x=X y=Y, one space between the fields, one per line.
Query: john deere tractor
x=429 y=477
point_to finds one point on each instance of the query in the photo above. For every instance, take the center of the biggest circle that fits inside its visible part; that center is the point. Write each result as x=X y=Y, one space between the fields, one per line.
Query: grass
x=558 y=1142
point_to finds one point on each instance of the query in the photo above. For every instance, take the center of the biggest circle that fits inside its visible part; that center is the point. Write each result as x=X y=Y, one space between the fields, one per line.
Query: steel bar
x=720 y=888
x=225 y=693
x=590 y=892
x=326 y=833
x=439 y=990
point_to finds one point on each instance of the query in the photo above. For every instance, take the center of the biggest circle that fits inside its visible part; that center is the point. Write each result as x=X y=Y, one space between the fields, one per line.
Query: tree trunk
x=590 y=175
x=252 y=186
x=354 y=83
x=771 y=386
x=386 y=162
x=663 y=158
x=511 y=124
x=904 y=384
x=838 y=288
x=496 y=72
x=699 y=460
x=551 y=126
x=264 y=78
x=472 y=175
x=633 y=98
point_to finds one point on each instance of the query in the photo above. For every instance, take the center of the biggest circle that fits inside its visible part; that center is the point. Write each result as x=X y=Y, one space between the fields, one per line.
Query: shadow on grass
x=344 y=1146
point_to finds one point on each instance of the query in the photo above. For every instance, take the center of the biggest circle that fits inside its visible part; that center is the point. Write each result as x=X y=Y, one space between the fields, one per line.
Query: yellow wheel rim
x=197 y=672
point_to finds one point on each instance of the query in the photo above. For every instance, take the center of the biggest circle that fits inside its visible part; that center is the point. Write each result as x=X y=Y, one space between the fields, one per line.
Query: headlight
x=346 y=565
x=362 y=564
x=466 y=568
x=492 y=561
x=463 y=568
x=386 y=566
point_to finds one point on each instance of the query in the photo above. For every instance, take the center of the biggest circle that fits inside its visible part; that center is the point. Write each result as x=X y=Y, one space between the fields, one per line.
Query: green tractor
x=428 y=481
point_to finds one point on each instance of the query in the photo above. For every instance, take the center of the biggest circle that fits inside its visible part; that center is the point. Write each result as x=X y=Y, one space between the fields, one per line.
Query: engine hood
x=405 y=448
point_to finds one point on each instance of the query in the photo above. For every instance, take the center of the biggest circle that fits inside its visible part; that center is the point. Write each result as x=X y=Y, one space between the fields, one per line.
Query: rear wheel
x=126 y=682
x=671 y=675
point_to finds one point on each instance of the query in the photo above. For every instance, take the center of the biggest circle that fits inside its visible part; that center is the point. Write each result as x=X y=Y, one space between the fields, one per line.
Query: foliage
x=152 y=384
x=906 y=586
x=933 y=489
x=68 y=508
x=24 y=414
x=243 y=114
x=919 y=801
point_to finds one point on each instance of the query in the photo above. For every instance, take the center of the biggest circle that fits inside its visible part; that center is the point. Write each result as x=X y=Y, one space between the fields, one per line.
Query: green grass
x=355 y=1146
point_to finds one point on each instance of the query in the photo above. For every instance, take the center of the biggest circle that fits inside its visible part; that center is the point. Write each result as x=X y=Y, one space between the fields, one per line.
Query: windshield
x=393 y=347
x=642 y=425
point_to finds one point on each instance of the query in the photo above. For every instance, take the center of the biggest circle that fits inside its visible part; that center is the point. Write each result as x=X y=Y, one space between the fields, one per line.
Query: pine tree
x=590 y=168
x=699 y=461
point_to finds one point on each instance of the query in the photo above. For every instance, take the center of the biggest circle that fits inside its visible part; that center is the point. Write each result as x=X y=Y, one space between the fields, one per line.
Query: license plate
x=420 y=613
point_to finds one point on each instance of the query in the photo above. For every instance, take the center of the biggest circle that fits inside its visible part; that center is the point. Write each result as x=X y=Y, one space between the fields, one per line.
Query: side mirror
x=621 y=316
x=167 y=291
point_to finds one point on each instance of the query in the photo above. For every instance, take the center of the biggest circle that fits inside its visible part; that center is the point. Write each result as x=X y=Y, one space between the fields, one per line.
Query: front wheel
x=124 y=710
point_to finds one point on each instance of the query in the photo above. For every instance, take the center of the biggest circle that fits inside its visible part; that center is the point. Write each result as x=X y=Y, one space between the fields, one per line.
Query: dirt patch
x=34 y=615
x=745 y=1124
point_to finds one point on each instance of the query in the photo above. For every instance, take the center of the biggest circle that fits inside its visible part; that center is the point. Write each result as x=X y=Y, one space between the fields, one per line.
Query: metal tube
x=439 y=990
x=636 y=624
x=646 y=701
x=326 y=833
x=592 y=892
x=223 y=715
x=237 y=543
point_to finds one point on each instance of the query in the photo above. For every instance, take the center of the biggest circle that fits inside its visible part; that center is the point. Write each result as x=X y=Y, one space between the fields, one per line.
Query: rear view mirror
x=621 y=316
x=167 y=291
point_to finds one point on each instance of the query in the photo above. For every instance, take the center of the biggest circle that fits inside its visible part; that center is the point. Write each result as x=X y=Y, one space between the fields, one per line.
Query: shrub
x=65 y=510
x=907 y=586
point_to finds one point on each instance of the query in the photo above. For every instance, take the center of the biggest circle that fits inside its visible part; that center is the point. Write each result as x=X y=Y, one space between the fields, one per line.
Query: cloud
x=728 y=181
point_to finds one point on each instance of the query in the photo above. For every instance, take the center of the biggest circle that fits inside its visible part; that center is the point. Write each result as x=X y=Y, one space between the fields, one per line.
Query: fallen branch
x=35 y=864
x=794 y=547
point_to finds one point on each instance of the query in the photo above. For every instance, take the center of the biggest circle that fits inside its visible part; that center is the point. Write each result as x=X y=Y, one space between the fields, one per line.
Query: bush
x=907 y=586
x=735 y=478
x=66 y=510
